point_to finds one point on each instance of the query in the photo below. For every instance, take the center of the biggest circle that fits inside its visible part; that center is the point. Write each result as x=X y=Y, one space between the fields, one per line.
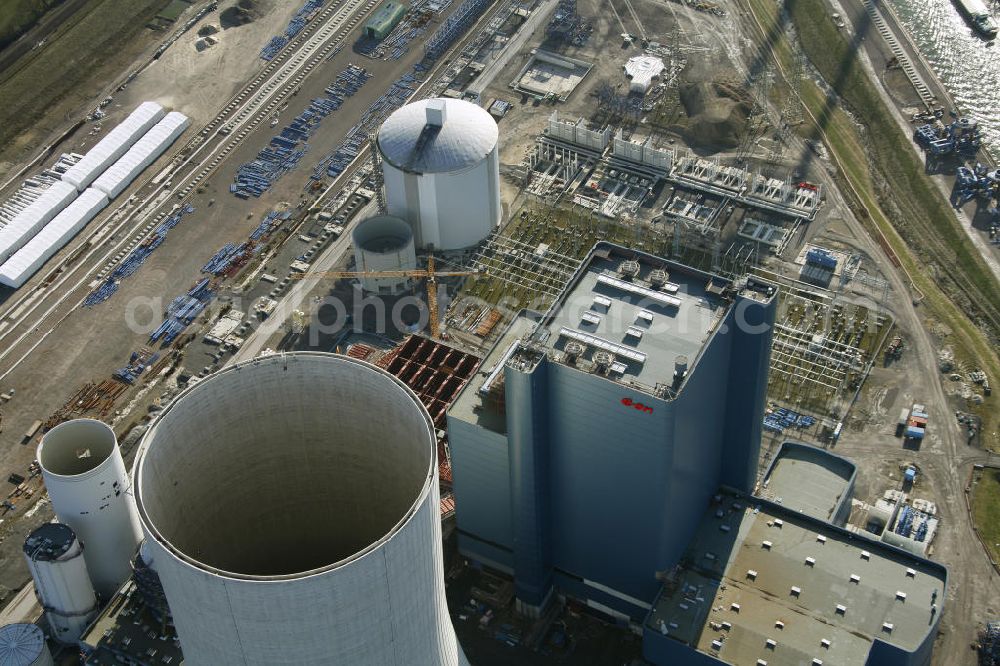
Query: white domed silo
x=55 y=560
x=442 y=171
x=89 y=487
x=291 y=511
x=23 y=645
x=384 y=243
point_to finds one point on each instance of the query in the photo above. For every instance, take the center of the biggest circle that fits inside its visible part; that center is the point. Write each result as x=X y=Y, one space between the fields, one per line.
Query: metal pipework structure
x=291 y=510
x=86 y=480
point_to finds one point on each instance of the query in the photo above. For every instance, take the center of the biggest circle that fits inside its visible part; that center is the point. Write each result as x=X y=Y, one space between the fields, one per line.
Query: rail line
x=244 y=112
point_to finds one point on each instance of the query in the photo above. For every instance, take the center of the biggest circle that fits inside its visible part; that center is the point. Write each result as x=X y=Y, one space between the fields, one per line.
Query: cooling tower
x=291 y=511
x=87 y=483
x=55 y=560
x=384 y=243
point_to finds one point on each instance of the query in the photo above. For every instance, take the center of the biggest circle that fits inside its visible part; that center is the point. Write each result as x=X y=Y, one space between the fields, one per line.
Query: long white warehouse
x=53 y=237
x=30 y=221
x=289 y=527
x=145 y=151
x=114 y=145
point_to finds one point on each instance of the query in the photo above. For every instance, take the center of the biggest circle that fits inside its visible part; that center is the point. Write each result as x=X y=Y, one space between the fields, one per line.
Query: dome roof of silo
x=437 y=135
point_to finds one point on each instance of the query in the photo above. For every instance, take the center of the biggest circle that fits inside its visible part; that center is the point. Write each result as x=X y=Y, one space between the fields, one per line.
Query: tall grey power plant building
x=586 y=451
x=291 y=511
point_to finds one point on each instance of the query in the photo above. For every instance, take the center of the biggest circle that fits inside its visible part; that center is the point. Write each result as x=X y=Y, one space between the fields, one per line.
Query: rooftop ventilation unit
x=629 y=269
x=680 y=369
x=572 y=351
x=658 y=278
x=603 y=360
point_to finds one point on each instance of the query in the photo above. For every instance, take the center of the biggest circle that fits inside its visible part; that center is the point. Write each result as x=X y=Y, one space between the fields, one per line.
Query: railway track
x=242 y=114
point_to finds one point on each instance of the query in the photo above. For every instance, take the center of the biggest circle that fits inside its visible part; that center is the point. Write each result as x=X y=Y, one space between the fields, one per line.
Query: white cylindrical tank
x=442 y=171
x=55 y=560
x=384 y=243
x=86 y=479
x=23 y=645
x=291 y=511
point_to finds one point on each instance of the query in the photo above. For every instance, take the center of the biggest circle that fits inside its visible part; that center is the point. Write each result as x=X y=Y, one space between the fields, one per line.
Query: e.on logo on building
x=628 y=402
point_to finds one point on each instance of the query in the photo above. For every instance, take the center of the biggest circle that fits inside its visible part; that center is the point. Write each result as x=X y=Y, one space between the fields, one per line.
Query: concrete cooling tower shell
x=291 y=510
x=86 y=480
x=384 y=243
x=441 y=171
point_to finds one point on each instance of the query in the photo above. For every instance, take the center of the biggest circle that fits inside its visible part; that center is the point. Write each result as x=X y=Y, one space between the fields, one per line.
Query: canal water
x=968 y=66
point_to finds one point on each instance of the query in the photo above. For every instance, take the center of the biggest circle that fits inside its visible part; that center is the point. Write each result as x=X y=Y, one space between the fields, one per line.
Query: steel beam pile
x=182 y=311
x=229 y=258
x=135 y=259
x=284 y=152
x=454 y=27
x=294 y=27
x=783 y=418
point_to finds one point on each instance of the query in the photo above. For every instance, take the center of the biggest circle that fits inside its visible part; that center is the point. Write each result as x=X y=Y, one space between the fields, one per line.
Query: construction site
x=402 y=183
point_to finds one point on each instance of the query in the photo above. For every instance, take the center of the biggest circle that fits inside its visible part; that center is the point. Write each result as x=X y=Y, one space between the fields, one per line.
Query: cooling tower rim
x=98 y=468
x=186 y=560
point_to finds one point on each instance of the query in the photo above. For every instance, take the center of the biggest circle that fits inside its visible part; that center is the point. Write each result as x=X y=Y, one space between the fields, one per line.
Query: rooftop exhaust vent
x=629 y=269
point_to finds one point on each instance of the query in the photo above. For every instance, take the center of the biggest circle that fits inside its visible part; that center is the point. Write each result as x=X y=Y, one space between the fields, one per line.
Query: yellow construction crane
x=429 y=273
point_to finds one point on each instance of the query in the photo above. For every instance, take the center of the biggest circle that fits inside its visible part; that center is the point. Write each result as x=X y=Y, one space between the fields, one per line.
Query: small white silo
x=23 y=645
x=86 y=480
x=55 y=560
x=384 y=243
x=441 y=169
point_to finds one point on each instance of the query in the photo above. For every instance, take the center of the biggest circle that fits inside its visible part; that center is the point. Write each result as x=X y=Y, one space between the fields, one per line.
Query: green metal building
x=384 y=20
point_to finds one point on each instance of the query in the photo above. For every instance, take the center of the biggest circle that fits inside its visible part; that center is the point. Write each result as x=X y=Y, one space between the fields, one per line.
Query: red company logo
x=637 y=405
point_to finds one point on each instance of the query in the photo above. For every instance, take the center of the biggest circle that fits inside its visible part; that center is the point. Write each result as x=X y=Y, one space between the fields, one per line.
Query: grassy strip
x=72 y=55
x=19 y=16
x=907 y=187
x=986 y=509
x=857 y=182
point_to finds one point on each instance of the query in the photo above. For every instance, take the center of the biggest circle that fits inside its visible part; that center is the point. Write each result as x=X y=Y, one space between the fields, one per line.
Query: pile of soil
x=207 y=30
x=242 y=13
x=718 y=114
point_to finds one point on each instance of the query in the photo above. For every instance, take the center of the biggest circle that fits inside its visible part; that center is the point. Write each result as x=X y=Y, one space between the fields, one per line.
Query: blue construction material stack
x=284 y=152
x=137 y=364
x=783 y=417
x=905 y=522
x=454 y=27
x=227 y=257
x=272 y=48
x=267 y=225
x=822 y=258
x=294 y=27
x=135 y=259
x=973 y=182
x=182 y=311
x=398 y=94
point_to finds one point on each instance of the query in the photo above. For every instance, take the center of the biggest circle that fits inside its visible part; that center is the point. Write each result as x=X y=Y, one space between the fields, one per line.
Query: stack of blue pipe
x=130 y=264
x=224 y=258
x=182 y=311
x=284 y=152
x=294 y=27
x=336 y=162
x=136 y=366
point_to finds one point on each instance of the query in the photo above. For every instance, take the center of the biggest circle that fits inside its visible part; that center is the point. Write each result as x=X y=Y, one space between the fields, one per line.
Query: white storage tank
x=86 y=480
x=291 y=511
x=384 y=243
x=23 y=645
x=55 y=560
x=442 y=171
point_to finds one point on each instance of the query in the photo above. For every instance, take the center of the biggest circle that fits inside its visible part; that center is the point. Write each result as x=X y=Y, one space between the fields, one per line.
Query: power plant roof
x=437 y=136
x=764 y=582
